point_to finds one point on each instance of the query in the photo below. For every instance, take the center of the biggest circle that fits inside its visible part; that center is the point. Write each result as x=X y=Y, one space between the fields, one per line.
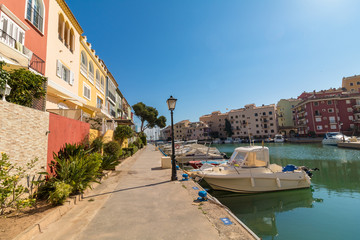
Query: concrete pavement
x=138 y=203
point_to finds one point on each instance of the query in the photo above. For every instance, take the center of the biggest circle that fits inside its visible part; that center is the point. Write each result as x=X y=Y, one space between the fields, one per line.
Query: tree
x=214 y=134
x=148 y=116
x=228 y=128
x=122 y=132
x=25 y=86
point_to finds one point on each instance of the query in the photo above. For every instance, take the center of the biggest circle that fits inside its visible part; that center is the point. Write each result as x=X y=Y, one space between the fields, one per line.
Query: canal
x=330 y=209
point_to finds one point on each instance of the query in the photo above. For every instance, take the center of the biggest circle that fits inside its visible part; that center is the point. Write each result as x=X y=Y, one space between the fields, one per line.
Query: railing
x=91 y=77
x=7 y=39
x=37 y=64
x=112 y=96
x=34 y=17
x=83 y=69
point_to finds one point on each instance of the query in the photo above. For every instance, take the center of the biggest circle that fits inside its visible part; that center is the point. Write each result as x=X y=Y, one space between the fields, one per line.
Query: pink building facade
x=327 y=111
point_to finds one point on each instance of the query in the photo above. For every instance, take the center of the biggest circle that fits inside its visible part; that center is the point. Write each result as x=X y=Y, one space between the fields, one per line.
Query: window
x=272 y=130
x=318 y=119
x=330 y=110
x=270 y=113
x=319 y=127
x=256 y=114
x=84 y=64
x=64 y=73
x=102 y=83
x=35 y=13
x=61 y=29
x=357 y=83
x=348 y=101
x=351 y=84
x=72 y=41
x=329 y=102
x=316 y=103
x=97 y=78
x=257 y=125
x=317 y=113
x=351 y=118
x=87 y=92
x=99 y=102
x=332 y=120
x=91 y=72
x=332 y=126
x=349 y=109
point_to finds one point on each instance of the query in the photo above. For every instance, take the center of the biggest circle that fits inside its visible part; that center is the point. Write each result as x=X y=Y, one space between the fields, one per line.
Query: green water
x=330 y=209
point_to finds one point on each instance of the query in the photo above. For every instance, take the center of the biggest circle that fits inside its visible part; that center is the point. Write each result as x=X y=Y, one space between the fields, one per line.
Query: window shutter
x=58 y=68
x=72 y=78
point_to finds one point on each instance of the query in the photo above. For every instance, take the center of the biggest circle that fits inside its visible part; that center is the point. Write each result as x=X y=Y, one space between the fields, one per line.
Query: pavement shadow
x=126 y=189
x=157 y=168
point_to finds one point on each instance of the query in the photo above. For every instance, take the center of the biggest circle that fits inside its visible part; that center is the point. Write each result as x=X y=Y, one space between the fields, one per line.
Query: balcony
x=17 y=52
x=112 y=96
x=37 y=64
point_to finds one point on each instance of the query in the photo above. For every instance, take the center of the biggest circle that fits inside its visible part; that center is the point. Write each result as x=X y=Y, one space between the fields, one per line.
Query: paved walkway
x=138 y=203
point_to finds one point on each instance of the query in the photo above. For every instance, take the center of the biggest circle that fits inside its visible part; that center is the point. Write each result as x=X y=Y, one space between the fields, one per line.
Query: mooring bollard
x=185 y=177
x=202 y=196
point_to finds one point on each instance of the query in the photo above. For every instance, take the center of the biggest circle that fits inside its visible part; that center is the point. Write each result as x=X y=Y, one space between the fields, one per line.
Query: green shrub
x=60 y=193
x=138 y=143
x=11 y=191
x=143 y=138
x=76 y=167
x=109 y=162
x=122 y=132
x=97 y=145
x=112 y=148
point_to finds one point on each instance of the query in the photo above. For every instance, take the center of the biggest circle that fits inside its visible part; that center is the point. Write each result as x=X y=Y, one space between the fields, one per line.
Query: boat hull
x=248 y=184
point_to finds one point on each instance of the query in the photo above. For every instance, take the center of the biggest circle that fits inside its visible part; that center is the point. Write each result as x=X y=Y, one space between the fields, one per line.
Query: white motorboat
x=229 y=140
x=217 y=141
x=332 y=138
x=279 y=138
x=237 y=140
x=249 y=171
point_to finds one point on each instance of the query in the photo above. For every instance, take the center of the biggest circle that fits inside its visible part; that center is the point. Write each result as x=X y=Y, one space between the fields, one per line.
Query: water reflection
x=259 y=210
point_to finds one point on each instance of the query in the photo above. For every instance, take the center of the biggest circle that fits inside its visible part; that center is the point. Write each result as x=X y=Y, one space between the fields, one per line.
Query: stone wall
x=23 y=134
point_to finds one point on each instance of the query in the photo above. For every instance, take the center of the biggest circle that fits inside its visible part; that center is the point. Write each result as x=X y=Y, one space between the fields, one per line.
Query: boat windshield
x=237 y=157
x=256 y=159
x=334 y=134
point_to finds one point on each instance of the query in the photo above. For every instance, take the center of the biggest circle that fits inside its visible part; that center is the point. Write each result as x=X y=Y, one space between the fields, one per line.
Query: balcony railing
x=34 y=17
x=8 y=40
x=37 y=64
x=112 y=96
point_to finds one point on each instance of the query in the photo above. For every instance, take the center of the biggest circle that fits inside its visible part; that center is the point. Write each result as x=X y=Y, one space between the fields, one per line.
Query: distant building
x=216 y=122
x=327 y=111
x=198 y=131
x=165 y=133
x=285 y=116
x=351 y=84
x=152 y=134
x=255 y=121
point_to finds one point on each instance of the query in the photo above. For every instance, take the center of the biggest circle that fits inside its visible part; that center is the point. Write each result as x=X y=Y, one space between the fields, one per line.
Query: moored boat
x=249 y=171
x=279 y=138
x=332 y=138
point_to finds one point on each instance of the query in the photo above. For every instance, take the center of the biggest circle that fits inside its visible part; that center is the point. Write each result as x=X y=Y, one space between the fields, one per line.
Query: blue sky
x=218 y=55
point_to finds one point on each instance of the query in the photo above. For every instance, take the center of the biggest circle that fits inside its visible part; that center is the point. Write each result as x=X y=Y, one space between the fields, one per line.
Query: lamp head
x=171 y=102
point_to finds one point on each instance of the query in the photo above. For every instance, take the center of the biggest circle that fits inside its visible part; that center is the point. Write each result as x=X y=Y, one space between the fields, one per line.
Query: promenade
x=139 y=202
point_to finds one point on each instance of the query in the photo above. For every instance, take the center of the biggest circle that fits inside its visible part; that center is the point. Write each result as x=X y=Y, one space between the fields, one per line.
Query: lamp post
x=171 y=102
x=5 y=92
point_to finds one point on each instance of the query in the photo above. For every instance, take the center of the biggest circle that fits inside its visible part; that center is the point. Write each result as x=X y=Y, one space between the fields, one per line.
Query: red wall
x=64 y=130
x=34 y=40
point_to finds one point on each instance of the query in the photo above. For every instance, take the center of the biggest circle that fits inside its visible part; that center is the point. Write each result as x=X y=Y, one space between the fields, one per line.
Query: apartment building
x=286 y=116
x=327 y=111
x=180 y=130
x=23 y=34
x=216 y=122
x=198 y=131
x=63 y=58
x=254 y=121
x=351 y=84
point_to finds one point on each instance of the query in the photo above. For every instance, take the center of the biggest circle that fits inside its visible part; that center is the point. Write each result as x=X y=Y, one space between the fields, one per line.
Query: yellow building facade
x=92 y=74
x=351 y=84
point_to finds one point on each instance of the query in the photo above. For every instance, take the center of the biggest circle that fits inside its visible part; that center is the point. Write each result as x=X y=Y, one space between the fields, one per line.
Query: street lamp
x=5 y=92
x=171 y=102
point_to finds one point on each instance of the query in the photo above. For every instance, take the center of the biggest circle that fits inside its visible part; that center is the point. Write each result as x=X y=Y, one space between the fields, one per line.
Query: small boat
x=217 y=141
x=249 y=171
x=237 y=140
x=199 y=164
x=279 y=138
x=332 y=138
x=229 y=140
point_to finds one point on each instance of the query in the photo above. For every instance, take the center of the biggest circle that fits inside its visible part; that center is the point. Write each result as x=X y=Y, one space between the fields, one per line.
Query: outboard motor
x=309 y=170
